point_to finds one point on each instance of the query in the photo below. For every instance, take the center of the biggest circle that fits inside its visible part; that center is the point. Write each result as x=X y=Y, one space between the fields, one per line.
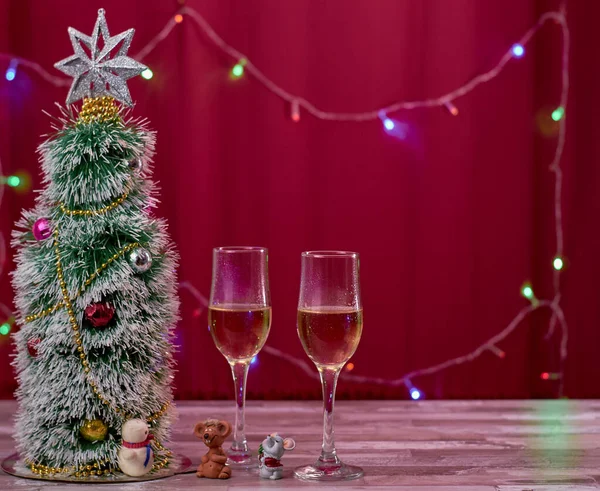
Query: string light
x=558 y=113
x=350 y=367
x=147 y=74
x=295 y=111
x=13 y=181
x=388 y=124
x=518 y=50
x=497 y=351
x=415 y=394
x=178 y=18
x=254 y=360
x=238 y=69
x=558 y=263
x=2 y=247
x=527 y=291
x=245 y=65
x=550 y=376
x=11 y=71
x=394 y=128
x=201 y=299
x=308 y=369
x=452 y=109
x=6 y=326
x=20 y=182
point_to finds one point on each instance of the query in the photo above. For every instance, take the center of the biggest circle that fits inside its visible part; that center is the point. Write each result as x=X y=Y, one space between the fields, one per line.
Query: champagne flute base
x=240 y=459
x=320 y=472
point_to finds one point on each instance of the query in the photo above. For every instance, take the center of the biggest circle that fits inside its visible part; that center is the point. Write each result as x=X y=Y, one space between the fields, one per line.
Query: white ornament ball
x=136 y=164
x=140 y=260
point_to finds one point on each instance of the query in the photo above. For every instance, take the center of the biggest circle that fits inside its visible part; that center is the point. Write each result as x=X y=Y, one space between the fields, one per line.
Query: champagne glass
x=239 y=319
x=330 y=321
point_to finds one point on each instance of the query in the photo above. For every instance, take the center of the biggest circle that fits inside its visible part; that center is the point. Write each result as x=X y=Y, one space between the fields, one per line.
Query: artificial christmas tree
x=94 y=284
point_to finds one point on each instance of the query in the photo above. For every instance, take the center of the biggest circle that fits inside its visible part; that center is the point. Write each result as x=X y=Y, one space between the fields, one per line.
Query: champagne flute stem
x=329 y=378
x=240 y=374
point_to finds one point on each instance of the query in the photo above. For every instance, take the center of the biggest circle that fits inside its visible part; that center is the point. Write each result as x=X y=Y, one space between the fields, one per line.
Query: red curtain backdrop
x=449 y=222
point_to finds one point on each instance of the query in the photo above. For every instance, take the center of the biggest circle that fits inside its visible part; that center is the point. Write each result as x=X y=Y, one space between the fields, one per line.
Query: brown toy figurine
x=213 y=433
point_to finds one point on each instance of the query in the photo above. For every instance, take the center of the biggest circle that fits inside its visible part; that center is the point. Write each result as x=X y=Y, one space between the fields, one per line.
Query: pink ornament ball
x=41 y=229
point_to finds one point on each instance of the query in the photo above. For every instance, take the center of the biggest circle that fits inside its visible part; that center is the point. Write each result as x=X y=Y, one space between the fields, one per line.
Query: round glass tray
x=180 y=464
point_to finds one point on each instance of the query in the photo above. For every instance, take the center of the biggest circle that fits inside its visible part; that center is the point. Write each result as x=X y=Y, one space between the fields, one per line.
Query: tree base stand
x=180 y=464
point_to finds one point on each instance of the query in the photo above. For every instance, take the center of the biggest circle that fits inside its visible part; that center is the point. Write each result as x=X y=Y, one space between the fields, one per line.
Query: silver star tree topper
x=101 y=72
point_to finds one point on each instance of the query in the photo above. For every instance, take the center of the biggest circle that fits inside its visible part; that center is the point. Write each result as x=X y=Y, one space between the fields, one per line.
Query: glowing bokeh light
x=558 y=113
x=178 y=18
x=147 y=74
x=350 y=367
x=11 y=73
x=238 y=69
x=558 y=263
x=13 y=181
x=20 y=181
x=527 y=291
x=415 y=394
x=394 y=128
x=518 y=50
x=295 y=111
x=5 y=329
x=452 y=109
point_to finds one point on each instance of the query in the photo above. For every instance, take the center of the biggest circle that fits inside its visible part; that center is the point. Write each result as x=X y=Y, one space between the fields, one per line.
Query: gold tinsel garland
x=99 y=468
x=99 y=211
x=98 y=110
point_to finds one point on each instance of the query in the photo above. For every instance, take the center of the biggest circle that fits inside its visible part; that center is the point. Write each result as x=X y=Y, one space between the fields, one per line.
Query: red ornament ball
x=32 y=347
x=99 y=314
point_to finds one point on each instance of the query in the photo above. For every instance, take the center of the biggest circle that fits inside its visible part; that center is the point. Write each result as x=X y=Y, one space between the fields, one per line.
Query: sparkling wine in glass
x=330 y=321
x=239 y=319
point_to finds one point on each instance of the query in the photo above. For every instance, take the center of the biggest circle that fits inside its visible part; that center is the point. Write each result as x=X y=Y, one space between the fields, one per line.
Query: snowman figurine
x=135 y=455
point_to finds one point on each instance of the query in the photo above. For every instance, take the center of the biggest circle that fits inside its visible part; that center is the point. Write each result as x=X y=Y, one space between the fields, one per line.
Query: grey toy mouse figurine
x=269 y=455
